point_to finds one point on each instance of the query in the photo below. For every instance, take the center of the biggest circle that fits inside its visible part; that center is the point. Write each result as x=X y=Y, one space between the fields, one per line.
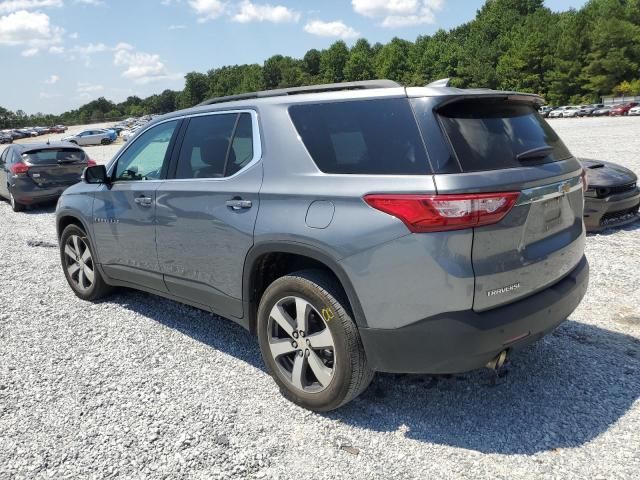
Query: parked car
x=601 y=112
x=39 y=172
x=58 y=129
x=620 y=110
x=587 y=110
x=96 y=136
x=564 y=112
x=327 y=230
x=28 y=132
x=545 y=110
x=635 y=111
x=6 y=137
x=42 y=130
x=18 y=134
x=612 y=198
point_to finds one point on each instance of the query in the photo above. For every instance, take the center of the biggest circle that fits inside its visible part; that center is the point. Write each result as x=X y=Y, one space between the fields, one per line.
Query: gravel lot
x=141 y=387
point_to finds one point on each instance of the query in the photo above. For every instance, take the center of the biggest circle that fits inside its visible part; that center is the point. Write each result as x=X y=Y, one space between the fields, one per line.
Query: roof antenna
x=48 y=140
x=444 y=82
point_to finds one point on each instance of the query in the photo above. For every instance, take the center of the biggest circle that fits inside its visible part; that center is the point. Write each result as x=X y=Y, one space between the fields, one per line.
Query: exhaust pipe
x=497 y=362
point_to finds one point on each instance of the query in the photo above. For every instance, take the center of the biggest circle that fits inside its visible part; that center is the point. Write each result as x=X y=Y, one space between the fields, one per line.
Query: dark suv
x=353 y=228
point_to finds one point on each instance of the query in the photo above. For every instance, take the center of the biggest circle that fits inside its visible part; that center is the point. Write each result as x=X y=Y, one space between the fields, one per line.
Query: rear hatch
x=502 y=144
x=55 y=167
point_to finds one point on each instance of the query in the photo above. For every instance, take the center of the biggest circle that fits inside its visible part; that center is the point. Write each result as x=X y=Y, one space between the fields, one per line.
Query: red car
x=622 y=109
x=58 y=129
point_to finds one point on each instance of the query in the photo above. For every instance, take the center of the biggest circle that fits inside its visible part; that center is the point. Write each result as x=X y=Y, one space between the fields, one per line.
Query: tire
x=77 y=264
x=105 y=141
x=15 y=205
x=73 y=141
x=327 y=320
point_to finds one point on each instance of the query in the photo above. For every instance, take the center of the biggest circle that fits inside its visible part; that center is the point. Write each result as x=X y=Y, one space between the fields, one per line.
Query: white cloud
x=208 y=9
x=177 y=27
x=86 y=88
x=250 y=12
x=95 y=3
x=32 y=29
x=89 y=49
x=30 y=52
x=330 y=29
x=17 y=5
x=74 y=36
x=399 y=13
x=141 y=67
x=52 y=80
x=56 y=50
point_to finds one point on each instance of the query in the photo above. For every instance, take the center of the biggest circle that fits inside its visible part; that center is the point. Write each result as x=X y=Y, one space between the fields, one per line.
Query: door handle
x=239 y=204
x=144 y=201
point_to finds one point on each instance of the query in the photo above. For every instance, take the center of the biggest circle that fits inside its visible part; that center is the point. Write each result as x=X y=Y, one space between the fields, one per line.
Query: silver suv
x=353 y=228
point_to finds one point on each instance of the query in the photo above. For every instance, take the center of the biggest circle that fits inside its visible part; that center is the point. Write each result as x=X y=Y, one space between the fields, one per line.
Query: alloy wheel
x=301 y=344
x=79 y=263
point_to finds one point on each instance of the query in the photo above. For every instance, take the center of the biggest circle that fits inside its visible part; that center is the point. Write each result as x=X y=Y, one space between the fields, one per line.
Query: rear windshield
x=54 y=155
x=492 y=134
x=367 y=137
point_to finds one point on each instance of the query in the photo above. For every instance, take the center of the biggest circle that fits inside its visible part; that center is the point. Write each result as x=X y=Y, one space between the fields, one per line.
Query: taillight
x=18 y=168
x=437 y=213
x=91 y=163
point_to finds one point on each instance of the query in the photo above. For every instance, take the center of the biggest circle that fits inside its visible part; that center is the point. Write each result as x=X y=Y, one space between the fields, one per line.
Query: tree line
x=573 y=57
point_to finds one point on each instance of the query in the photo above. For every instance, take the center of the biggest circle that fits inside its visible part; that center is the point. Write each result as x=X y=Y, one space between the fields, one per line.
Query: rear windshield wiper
x=538 y=152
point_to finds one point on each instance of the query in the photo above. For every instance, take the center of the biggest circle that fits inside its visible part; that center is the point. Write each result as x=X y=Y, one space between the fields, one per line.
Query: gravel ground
x=141 y=387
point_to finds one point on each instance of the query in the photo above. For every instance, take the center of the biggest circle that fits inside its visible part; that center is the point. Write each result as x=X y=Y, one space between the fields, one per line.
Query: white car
x=635 y=111
x=565 y=112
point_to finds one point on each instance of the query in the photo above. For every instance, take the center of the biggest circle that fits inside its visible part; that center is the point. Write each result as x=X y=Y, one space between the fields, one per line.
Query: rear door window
x=497 y=134
x=367 y=137
x=216 y=146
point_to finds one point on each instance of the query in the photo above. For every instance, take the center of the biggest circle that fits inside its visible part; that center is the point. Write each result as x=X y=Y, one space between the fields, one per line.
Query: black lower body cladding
x=461 y=341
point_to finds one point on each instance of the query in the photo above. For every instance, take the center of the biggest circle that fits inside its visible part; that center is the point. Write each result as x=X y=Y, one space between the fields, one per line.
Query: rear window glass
x=369 y=137
x=52 y=156
x=491 y=135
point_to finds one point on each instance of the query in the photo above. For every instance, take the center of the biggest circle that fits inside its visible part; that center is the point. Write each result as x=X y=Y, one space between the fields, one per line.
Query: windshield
x=54 y=155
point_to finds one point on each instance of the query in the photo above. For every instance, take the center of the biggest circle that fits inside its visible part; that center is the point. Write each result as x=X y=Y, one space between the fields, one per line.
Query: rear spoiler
x=534 y=100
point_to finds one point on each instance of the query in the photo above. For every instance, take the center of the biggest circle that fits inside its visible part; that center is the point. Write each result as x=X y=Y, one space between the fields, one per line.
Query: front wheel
x=79 y=267
x=310 y=342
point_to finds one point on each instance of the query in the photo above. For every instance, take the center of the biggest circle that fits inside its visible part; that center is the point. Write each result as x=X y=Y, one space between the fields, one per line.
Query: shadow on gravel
x=561 y=393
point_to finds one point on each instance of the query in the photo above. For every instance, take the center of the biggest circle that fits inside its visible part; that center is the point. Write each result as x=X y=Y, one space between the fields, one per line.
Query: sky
x=56 y=55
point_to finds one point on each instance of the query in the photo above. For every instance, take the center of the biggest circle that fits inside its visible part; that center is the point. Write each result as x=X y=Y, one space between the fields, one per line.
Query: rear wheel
x=79 y=267
x=15 y=205
x=105 y=141
x=310 y=343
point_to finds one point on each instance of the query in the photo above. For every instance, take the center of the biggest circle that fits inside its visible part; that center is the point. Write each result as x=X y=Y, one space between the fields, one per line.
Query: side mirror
x=96 y=175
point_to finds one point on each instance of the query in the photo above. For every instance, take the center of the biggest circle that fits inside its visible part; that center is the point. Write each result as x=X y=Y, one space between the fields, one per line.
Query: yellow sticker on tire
x=327 y=314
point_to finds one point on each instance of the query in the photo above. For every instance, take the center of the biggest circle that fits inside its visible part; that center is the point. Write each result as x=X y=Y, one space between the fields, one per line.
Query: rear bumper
x=27 y=193
x=462 y=341
x=611 y=212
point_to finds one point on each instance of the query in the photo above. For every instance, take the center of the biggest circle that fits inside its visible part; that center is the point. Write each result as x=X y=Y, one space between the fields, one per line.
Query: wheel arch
x=309 y=257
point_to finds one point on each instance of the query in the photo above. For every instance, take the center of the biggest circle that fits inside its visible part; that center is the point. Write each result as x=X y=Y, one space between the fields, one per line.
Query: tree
x=360 y=66
x=333 y=61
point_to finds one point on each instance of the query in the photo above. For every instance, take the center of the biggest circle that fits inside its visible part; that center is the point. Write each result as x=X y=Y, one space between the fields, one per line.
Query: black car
x=35 y=173
x=612 y=198
x=6 y=137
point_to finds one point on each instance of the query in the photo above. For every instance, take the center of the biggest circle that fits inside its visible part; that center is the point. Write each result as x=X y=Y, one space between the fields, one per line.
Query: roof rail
x=280 y=92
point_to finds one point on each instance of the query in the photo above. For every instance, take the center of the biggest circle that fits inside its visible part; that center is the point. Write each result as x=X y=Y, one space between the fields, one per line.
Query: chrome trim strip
x=547 y=192
x=257 y=143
